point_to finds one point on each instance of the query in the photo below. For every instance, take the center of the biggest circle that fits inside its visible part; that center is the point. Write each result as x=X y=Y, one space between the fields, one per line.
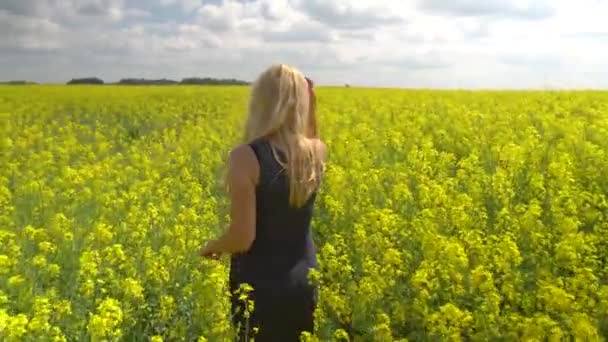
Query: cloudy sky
x=405 y=43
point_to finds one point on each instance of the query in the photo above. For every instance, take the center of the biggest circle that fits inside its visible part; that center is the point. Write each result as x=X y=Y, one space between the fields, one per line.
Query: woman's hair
x=282 y=107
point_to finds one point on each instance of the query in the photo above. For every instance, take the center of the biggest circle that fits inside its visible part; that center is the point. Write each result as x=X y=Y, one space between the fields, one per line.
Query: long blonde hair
x=282 y=107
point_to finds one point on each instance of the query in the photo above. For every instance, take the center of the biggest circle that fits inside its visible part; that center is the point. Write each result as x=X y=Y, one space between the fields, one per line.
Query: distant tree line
x=87 y=80
x=143 y=81
x=18 y=82
x=208 y=80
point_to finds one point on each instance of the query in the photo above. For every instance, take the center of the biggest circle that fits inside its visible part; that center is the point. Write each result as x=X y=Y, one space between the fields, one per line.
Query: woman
x=273 y=181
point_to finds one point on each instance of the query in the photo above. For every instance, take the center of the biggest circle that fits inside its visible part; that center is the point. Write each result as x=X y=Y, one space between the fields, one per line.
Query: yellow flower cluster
x=444 y=215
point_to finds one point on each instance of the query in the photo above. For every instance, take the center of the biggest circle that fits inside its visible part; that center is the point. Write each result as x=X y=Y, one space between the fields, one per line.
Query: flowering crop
x=443 y=216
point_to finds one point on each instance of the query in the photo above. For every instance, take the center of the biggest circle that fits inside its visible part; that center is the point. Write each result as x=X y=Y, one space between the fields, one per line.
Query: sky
x=543 y=44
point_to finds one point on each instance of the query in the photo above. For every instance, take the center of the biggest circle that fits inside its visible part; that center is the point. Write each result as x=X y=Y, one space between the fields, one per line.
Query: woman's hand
x=209 y=252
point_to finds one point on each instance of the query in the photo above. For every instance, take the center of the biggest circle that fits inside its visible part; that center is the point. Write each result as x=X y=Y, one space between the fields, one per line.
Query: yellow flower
x=16 y=327
x=16 y=280
x=39 y=261
x=46 y=247
x=133 y=288
x=106 y=322
x=5 y=264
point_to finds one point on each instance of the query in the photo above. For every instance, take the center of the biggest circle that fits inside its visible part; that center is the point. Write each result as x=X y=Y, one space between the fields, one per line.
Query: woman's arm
x=243 y=173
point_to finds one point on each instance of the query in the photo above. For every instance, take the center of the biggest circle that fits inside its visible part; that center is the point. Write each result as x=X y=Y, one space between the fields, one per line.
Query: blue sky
x=394 y=43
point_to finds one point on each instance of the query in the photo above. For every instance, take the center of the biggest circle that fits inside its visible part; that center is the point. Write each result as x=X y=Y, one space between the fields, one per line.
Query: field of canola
x=460 y=216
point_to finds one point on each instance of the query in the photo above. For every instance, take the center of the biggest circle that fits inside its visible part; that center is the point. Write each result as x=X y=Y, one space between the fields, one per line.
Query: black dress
x=277 y=264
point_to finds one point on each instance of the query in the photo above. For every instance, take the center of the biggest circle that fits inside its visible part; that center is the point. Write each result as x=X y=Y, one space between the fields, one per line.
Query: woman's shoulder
x=243 y=154
x=243 y=158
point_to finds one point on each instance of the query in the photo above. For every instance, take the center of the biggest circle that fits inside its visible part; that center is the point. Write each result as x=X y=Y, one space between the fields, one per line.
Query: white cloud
x=520 y=9
x=185 y=5
x=299 y=32
x=348 y=14
x=461 y=43
x=111 y=9
x=29 y=33
x=275 y=10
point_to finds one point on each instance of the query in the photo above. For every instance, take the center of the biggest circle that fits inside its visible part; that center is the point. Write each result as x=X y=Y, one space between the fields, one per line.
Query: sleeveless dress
x=278 y=263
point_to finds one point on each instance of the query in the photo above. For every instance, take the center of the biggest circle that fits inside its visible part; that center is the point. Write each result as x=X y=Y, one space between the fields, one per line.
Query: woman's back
x=283 y=250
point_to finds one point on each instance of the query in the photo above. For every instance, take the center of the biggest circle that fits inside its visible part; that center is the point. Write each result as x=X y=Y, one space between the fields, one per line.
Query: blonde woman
x=273 y=180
